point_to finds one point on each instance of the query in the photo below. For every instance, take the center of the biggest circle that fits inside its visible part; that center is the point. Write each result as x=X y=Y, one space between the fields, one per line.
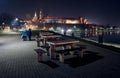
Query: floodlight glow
x=16 y=19
x=69 y=30
x=74 y=27
x=62 y=31
x=51 y=29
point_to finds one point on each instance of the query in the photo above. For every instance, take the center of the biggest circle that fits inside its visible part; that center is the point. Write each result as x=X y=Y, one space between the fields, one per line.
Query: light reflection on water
x=108 y=37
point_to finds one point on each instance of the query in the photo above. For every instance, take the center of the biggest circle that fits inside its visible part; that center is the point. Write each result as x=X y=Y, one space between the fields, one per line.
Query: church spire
x=35 y=17
x=40 y=16
x=35 y=14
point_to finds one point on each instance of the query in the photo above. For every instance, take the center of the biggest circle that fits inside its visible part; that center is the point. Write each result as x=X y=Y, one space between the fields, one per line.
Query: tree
x=6 y=18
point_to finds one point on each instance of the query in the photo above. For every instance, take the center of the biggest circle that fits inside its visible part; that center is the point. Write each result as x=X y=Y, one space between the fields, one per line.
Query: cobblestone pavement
x=19 y=60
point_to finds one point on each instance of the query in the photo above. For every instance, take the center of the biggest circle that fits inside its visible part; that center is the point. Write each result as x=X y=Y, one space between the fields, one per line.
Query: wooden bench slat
x=67 y=50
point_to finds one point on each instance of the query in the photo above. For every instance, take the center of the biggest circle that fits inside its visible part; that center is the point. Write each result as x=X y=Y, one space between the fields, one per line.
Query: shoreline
x=108 y=44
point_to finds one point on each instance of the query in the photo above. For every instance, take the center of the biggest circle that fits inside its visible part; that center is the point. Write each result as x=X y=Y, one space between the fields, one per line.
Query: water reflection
x=108 y=36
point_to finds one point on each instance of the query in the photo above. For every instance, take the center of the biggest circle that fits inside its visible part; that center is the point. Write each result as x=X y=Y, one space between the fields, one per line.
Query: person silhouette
x=29 y=34
x=24 y=34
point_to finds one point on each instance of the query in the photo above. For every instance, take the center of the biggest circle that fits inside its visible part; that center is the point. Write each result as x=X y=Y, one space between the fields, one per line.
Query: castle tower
x=35 y=15
x=85 y=21
x=40 y=16
x=35 y=18
x=81 y=20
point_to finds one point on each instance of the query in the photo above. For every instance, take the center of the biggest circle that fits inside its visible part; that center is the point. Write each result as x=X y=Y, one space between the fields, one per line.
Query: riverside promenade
x=19 y=60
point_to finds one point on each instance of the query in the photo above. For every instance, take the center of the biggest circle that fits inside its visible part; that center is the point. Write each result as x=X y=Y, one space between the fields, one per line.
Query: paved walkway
x=19 y=60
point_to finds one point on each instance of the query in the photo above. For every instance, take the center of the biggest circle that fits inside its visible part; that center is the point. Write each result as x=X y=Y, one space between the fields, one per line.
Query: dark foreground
x=19 y=60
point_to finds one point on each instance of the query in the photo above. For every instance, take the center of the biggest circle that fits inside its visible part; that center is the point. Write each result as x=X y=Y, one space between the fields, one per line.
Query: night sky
x=96 y=11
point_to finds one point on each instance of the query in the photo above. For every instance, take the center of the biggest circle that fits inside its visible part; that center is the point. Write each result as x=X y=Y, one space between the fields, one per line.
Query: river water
x=112 y=38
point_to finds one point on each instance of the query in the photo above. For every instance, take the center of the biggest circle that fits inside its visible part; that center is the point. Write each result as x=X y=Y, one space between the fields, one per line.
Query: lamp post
x=3 y=25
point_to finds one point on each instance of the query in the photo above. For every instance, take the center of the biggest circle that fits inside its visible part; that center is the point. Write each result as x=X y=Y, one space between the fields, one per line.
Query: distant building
x=41 y=20
x=51 y=19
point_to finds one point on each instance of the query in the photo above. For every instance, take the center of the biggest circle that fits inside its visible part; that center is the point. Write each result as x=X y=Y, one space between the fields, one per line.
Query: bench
x=46 y=48
x=39 y=54
x=78 y=50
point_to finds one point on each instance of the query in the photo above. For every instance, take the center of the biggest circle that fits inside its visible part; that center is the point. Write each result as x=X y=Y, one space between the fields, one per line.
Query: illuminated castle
x=50 y=19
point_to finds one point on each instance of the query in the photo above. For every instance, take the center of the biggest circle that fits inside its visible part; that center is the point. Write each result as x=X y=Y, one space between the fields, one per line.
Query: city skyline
x=98 y=12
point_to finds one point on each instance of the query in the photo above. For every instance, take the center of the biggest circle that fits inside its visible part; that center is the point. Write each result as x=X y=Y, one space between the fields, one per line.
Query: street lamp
x=16 y=19
x=3 y=25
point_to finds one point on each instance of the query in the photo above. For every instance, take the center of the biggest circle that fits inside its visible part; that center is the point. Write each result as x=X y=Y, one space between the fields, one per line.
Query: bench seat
x=39 y=54
x=78 y=50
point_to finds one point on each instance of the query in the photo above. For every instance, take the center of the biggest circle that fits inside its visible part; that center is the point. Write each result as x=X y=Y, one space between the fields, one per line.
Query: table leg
x=81 y=54
x=71 y=52
x=52 y=53
x=61 y=57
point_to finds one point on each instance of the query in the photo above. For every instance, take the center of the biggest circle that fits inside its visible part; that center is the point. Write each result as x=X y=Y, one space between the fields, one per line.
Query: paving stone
x=19 y=60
